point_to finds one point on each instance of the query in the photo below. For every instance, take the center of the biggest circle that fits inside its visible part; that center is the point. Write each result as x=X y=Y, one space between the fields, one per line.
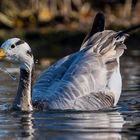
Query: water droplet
x=10 y=75
x=36 y=61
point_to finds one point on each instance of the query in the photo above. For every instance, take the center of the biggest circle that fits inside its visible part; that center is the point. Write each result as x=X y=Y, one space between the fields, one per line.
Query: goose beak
x=2 y=54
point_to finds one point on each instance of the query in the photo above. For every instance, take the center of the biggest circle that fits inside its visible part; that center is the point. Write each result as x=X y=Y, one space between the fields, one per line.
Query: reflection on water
x=62 y=125
x=120 y=124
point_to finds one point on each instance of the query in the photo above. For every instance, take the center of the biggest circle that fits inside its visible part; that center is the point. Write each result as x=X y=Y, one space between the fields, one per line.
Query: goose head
x=17 y=51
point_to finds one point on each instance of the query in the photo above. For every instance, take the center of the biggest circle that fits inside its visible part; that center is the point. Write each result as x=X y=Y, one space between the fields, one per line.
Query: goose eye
x=13 y=46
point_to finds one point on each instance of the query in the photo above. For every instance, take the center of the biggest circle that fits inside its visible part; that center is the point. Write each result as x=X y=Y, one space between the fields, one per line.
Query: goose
x=88 y=79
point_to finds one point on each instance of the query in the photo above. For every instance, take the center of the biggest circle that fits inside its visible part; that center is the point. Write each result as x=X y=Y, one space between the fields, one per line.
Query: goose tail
x=97 y=26
x=121 y=33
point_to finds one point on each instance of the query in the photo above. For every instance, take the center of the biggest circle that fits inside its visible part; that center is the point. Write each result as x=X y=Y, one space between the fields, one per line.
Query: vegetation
x=36 y=13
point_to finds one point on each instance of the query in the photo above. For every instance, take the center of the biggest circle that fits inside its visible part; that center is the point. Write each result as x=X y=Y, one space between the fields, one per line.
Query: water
x=122 y=123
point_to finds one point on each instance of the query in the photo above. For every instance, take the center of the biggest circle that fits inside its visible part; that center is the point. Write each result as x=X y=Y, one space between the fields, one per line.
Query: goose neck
x=23 y=97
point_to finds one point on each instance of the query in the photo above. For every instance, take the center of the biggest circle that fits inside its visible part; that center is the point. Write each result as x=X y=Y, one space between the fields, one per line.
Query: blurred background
x=55 y=28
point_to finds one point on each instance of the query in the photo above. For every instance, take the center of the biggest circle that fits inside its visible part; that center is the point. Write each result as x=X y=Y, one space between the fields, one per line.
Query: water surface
x=122 y=123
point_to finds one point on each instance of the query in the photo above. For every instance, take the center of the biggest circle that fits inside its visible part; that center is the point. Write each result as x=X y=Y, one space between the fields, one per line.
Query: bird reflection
x=65 y=125
x=27 y=126
x=78 y=125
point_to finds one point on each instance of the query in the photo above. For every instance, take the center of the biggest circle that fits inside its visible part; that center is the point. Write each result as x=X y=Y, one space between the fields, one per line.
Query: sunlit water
x=120 y=123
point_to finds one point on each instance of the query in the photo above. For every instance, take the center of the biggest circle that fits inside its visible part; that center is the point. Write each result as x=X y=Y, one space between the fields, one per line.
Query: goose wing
x=75 y=84
x=75 y=79
x=77 y=88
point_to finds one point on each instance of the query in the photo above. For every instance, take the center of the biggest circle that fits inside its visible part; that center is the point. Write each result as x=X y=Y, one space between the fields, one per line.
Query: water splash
x=3 y=69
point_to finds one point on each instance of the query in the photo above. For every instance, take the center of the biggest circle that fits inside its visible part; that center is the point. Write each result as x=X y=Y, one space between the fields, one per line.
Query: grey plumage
x=80 y=81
